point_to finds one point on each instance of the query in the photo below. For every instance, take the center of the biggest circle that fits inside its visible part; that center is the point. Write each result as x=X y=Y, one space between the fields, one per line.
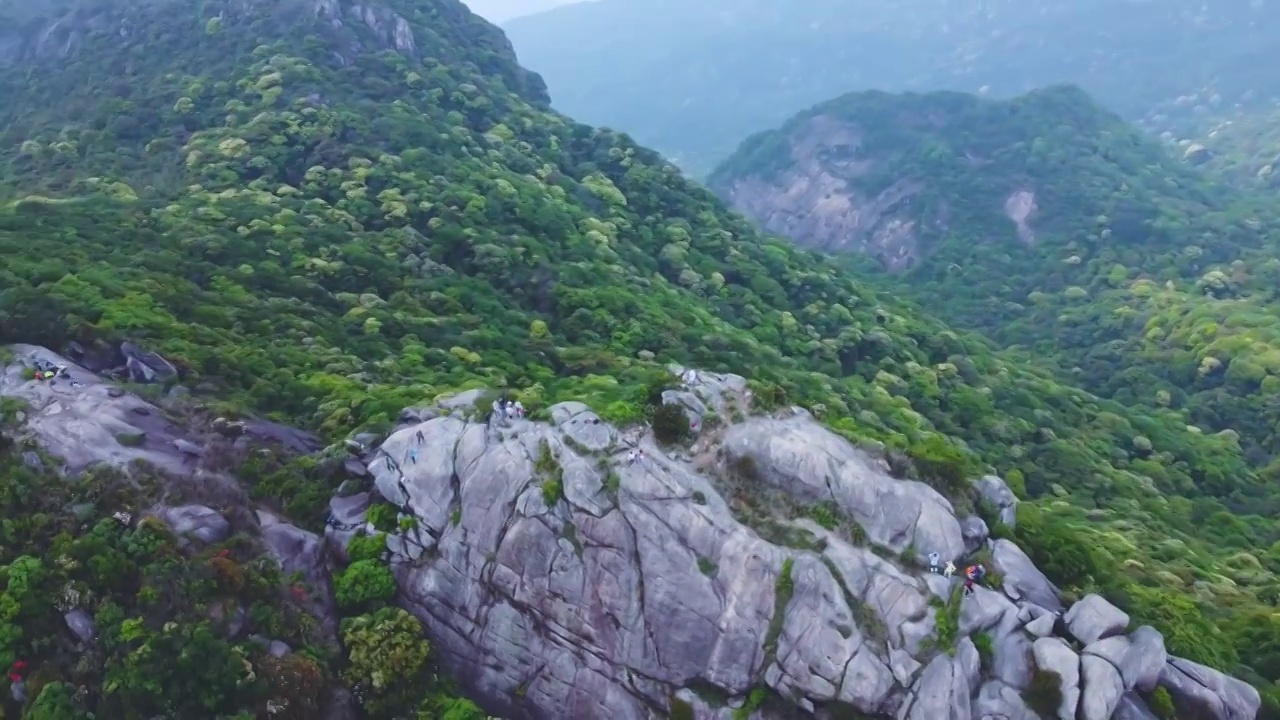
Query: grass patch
x=552 y=492
x=783 y=589
x=1044 y=694
x=755 y=700
x=948 y=620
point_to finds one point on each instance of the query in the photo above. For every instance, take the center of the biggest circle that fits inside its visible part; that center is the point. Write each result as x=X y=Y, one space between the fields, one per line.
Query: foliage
x=159 y=649
x=364 y=583
x=388 y=658
x=1044 y=693
x=670 y=424
x=733 y=67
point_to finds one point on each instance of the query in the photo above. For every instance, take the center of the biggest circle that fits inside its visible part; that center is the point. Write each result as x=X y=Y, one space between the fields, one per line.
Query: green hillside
x=328 y=222
x=726 y=69
x=1144 y=281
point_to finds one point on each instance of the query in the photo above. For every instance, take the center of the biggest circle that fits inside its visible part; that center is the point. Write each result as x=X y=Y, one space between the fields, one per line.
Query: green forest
x=324 y=236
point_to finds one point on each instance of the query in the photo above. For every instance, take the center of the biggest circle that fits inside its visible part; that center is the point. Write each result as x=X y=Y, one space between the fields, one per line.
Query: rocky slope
x=561 y=578
x=564 y=579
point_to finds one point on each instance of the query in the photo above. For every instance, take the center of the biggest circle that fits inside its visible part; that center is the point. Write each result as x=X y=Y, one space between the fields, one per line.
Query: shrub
x=680 y=710
x=363 y=583
x=367 y=547
x=670 y=424
x=1161 y=703
x=985 y=647
x=1044 y=693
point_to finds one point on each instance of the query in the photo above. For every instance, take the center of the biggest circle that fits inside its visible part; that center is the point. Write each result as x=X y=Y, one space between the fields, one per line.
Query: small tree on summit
x=670 y=425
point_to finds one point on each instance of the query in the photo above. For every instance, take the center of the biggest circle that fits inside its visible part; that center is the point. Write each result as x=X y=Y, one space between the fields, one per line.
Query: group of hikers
x=975 y=573
x=503 y=407
x=47 y=371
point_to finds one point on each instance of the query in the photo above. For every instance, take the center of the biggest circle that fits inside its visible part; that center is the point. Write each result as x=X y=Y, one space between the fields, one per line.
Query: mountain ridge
x=731 y=69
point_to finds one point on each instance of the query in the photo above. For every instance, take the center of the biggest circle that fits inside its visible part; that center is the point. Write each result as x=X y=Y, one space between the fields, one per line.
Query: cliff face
x=563 y=579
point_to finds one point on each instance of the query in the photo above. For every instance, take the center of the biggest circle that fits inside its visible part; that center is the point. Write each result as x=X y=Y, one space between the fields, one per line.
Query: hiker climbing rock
x=413 y=456
x=949 y=570
x=933 y=562
x=419 y=437
x=972 y=574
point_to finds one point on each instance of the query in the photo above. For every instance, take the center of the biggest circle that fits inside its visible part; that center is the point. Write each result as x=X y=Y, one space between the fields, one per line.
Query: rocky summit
x=564 y=567
x=568 y=568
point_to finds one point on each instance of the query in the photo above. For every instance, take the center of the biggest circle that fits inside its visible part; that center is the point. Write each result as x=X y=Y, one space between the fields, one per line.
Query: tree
x=363 y=583
x=670 y=424
x=54 y=703
x=387 y=658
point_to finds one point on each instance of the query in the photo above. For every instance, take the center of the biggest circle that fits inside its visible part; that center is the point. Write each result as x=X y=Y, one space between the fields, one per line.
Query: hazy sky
x=500 y=11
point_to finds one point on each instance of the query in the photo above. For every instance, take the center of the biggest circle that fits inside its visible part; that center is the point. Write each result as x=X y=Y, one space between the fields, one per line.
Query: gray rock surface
x=995 y=493
x=198 y=522
x=561 y=580
x=606 y=587
x=83 y=425
x=813 y=464
x=81 y=625
x=1022 y=579
x=1199 y=691
x=1093 y=619
x=1055 y=656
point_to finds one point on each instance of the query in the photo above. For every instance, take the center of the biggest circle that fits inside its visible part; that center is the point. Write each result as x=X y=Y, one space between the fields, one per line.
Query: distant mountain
x=1048 y=223
x=498 y=11
x=694 y=79
x=948 y=178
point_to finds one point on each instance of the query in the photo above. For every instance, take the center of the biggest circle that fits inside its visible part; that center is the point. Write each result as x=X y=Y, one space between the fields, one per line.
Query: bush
x=1161 y=703
x=1044 y=693
x=985 y=647
x=942 y=465
x=367 y=547
x=364 y=583
x=670 y=424
x=680 y=710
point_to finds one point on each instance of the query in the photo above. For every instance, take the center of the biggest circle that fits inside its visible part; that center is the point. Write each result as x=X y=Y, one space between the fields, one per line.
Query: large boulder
x=85 y=421
x=1022 y=580
x=145 y=366
x=995 y=494
x=197 y=522
x=1203 y=692
x=1055 y=656
x=1093 y=619
x=813 y=464
x=609 y=585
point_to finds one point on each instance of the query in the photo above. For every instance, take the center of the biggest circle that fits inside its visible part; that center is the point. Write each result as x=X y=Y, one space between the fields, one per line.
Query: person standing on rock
x=419 y=437
x=933 y=562
x=519 y=409
x=949 y=570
